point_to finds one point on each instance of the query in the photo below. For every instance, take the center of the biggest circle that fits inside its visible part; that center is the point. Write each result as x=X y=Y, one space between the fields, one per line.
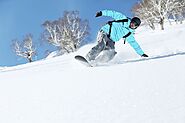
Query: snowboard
x=83 y=60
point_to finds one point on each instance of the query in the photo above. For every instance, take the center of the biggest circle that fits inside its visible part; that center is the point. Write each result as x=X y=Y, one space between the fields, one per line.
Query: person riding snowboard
x=113 y=31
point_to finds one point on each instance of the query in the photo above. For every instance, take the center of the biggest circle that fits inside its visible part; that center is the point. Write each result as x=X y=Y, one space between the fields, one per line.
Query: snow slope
x=126 y=90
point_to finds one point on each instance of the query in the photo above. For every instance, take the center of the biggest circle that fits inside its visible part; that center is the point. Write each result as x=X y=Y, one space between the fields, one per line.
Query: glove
x=144 y=55
x=98 y=14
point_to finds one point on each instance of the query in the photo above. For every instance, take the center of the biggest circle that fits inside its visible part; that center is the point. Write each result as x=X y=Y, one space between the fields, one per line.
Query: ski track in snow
x=151 y=58
x=66 y=62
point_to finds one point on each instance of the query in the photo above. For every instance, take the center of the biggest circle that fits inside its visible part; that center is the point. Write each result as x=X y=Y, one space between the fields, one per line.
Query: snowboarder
x=113 y=31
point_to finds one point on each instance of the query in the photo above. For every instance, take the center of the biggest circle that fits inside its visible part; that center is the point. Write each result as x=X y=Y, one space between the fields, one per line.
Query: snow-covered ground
x=126 y=90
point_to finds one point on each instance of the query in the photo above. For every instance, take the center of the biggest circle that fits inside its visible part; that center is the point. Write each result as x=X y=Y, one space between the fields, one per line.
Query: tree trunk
x=30 y=60
x=162 y=23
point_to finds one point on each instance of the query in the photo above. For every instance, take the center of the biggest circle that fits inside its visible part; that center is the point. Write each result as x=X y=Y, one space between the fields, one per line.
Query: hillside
x=126 y=90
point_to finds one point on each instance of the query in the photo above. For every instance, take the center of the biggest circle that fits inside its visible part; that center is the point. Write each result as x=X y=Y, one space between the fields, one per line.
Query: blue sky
x=20 y=17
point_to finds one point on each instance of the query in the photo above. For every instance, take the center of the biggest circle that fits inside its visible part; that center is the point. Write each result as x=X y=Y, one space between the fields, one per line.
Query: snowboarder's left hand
x=144 y=55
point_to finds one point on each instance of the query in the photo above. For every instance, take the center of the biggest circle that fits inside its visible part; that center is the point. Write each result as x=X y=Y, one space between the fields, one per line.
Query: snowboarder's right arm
x=112 y=14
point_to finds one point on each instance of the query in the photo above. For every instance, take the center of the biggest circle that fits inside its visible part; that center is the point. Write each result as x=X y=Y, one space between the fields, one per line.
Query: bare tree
x=178 y=12
x=67 y=32
x=145 y=12
x=157 y=10
x=24 y=48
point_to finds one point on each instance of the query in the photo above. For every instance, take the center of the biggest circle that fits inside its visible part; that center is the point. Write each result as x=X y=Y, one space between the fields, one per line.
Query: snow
x=126 y=90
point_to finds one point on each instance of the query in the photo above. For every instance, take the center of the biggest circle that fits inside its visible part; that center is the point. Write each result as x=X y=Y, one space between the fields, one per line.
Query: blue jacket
x=119 y=30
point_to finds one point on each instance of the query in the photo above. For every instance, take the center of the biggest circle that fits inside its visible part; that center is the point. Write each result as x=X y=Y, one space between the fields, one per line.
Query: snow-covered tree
x=144 y=10
x=157 y=10
x=179 y=11
x=24 y=48
x=68 y=32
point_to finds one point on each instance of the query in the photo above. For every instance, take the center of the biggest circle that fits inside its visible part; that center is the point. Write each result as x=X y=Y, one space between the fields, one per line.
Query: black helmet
x=136 y=20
